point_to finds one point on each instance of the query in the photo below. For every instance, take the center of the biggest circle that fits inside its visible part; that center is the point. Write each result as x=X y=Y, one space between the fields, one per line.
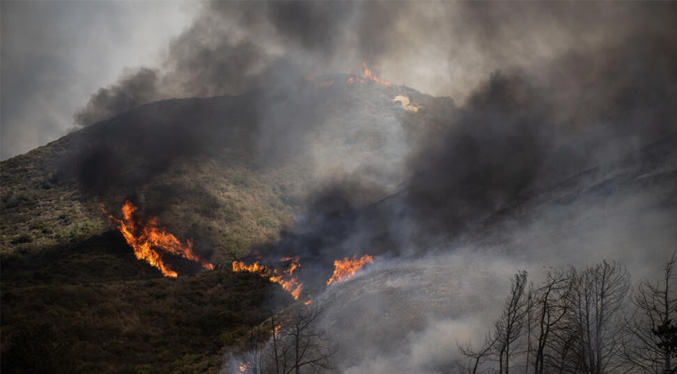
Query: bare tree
x=570 y=324
x=475 y=358
x=292 y=344
x=653 y=329
x=509 y=329
x=551 y=340
x=299 y=344
x=597 y=302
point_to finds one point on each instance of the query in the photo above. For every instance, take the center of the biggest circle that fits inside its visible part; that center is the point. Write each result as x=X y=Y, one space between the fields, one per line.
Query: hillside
x=203 y=168
x=308 y=173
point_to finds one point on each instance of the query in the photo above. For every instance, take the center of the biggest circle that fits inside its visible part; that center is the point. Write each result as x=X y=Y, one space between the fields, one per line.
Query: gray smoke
x=548 y=152
x=545 y=91
x=55 y=54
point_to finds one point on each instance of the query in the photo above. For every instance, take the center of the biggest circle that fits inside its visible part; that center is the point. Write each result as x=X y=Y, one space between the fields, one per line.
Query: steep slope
x=408 y=315
x=225 y=172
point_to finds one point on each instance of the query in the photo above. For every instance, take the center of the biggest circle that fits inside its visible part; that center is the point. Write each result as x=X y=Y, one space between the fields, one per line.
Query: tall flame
x=369 y=76
x=346 y=268
x=284 y=278
x=149 y=240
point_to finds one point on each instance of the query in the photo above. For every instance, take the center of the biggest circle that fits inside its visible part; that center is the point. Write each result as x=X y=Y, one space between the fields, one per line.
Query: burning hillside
x=402 y=216
x=369 y=77
x=151 y=243
x=346 y=268
x=285 y=277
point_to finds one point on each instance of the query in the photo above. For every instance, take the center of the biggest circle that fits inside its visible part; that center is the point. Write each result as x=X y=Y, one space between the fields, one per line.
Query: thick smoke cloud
x=138 y=87
x=481 y=161
x=579 y=84
x=545 y=91
x=233 y=47
x=541 y=161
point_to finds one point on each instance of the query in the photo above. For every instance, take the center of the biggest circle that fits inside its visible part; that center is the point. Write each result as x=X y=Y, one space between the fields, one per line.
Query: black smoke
x=234 y=47
x=483 y=160
x=564 y=87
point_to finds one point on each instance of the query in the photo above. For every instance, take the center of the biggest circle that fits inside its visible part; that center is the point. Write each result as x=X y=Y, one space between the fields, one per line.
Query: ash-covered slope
x=408 y=314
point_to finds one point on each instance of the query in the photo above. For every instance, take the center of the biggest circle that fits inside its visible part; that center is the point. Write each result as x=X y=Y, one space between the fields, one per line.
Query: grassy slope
x=74 y=298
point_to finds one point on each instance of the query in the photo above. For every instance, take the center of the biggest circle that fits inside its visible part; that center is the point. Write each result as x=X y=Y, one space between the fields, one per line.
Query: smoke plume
x=557 y=135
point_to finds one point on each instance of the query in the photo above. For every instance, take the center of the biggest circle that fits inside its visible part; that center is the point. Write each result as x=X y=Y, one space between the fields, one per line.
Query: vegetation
x=59 y=315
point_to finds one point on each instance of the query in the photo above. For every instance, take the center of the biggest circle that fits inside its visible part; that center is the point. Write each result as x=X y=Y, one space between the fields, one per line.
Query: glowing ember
x=344 y=269
x=244 y=366
x=324 y=83
x=369 y=76
x=284 y=278
x=149 y=241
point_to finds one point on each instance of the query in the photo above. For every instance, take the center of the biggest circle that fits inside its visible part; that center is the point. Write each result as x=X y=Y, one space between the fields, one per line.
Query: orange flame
x=149 y=240
x=344 y=269
x=369 y=76
x=284 y=278
x=244 y=366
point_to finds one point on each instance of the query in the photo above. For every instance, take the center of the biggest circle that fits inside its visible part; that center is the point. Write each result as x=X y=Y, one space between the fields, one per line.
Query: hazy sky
x=55 y=54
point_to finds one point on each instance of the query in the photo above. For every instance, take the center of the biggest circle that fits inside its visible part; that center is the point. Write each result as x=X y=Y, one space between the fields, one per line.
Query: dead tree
x=653 y=325
x=475 y=358
x=549 y=312
x=597 y=302
x=298 y=343
x=510 y=327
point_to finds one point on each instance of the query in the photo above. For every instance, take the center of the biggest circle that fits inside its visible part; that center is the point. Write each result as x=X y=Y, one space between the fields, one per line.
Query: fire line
x=284 y=278
x=346 y=268
x=149 y=241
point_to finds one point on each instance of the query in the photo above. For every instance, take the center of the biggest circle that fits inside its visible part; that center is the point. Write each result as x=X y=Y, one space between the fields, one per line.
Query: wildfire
x=369 y=76
x=344 y=269
x=149 y=241
x=284 y=278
